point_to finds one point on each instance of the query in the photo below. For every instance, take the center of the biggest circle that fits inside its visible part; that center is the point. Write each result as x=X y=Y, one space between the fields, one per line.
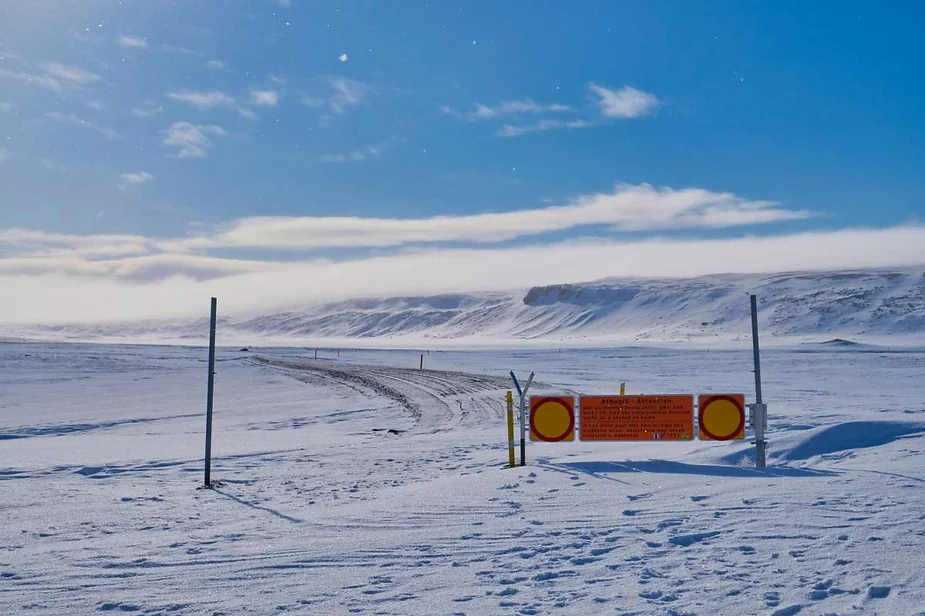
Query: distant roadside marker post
x=522 y=392
x=209 y=395
x=759 y=410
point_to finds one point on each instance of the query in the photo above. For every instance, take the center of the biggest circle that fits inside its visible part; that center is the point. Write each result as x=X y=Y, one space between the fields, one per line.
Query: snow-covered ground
x=357 y=484
x=873 y=306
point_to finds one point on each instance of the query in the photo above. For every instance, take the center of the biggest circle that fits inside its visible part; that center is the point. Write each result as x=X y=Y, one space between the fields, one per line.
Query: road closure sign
x=721 y=417
x=636 y=418
x=552 y=420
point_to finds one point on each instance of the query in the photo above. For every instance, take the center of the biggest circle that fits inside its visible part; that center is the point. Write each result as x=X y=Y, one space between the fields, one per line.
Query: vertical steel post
x=759 y=414
x=209 y=395
x=511 y=461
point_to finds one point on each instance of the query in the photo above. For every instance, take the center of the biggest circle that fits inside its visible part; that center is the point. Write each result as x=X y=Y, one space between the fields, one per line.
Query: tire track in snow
x=437 y=400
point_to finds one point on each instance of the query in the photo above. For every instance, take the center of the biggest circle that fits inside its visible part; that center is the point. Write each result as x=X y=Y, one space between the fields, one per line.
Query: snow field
x=360 y=485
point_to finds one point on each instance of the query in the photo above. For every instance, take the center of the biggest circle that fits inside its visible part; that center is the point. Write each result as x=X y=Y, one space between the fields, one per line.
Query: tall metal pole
x=209 y=396
x=759 y=414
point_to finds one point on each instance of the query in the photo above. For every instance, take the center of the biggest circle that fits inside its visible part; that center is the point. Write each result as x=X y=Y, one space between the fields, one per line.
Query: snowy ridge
x=816 y=306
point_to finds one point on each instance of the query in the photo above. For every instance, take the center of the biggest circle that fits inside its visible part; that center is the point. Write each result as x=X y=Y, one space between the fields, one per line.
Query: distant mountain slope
x=820 y=305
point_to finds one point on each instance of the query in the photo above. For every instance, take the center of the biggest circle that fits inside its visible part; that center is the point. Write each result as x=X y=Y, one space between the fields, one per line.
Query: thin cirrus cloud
x=215 y=65
x=55 y=76
x=139 y=177
x=201 y=100
x=24 y=244
x=365 y=153
x=511 y=130
x=131 y=42
x=191 y=140
x=506 y=108
x=68 y=290
x=179 y=51
x=264 y=98
x=623 y=103
x=148 y=109
x=75 y=120
x=343 y=95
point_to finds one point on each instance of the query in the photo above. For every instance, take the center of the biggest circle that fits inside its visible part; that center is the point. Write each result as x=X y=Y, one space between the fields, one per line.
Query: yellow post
x=622 y=389
x=510 y=429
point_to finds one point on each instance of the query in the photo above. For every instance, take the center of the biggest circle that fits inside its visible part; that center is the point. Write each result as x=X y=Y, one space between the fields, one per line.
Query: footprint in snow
x=878 y=592
x=772 y=598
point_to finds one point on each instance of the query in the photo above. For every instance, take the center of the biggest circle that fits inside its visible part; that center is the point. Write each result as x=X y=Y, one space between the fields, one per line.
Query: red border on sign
x=570 y=408
x=736 y=403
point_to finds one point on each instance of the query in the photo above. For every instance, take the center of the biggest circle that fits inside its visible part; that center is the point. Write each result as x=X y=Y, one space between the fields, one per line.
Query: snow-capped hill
x=870 y=305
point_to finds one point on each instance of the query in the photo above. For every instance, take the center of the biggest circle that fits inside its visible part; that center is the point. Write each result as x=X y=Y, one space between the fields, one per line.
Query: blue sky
x=143 y=143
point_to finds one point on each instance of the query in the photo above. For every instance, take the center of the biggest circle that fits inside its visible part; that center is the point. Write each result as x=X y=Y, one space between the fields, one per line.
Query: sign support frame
x=522 y=392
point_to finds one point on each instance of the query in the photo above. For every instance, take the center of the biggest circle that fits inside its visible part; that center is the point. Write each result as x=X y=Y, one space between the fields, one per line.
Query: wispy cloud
x=148 y=109
x=179 y=51
x=5 y=155
x=264 y=98
x=73 y=75
x=510 y=130
x=131 y=42
x=52 y=165
x=627 y=208
x=507 y=108
x=7 y=107
x=54 y=76
x=75 y=120
x=138 y=177
x=201 y=100
x=27 y=243
x=191 y=140
x=365 y=153
x=215 y=65
x=344 y=94
x=626 y=102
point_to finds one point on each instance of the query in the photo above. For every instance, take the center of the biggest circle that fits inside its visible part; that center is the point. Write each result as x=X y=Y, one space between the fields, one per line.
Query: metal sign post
x=209 y=396
x=759 y=409
x=523 y=415
x=510 y=430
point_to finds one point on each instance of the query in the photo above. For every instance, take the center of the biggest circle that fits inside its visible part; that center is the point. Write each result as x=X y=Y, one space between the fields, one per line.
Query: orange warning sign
x=636 y=418
x=552 y=420
x=721 y=417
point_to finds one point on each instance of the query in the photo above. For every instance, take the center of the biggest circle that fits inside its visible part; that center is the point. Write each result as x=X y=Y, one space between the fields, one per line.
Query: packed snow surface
x=358 y=484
